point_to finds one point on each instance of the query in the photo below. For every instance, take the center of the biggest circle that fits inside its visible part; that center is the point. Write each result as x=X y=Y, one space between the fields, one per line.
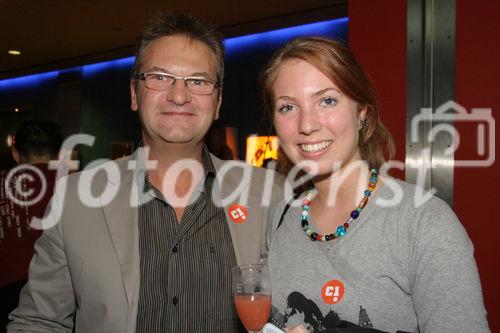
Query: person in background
x=29 y=188
x=156 y=253
x=357 y=251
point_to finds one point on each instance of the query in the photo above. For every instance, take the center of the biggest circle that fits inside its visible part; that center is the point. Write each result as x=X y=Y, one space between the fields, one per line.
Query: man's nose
x=179 y=93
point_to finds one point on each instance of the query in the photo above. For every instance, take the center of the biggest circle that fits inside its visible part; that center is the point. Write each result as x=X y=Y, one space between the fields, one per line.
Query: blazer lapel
x=246 y=235
x=122 y=220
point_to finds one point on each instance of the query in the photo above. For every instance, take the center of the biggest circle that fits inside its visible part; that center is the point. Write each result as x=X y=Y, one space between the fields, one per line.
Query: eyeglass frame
x=143 y=77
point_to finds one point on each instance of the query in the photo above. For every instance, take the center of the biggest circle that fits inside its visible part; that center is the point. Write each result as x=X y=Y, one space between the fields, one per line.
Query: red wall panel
x=377 y=35
x=476 y=190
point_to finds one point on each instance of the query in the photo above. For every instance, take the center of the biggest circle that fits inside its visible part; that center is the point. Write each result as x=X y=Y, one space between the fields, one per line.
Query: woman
x=359 y=249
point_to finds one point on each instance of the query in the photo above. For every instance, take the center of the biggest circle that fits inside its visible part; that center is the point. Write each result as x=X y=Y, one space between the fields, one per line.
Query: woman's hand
x=297 y=329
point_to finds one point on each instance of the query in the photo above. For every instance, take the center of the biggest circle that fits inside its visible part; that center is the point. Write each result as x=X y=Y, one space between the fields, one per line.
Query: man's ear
x=219 y=103
x=133 y=96
x=15 y=155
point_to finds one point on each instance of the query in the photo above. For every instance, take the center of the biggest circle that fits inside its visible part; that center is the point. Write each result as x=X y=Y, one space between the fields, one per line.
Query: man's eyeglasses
x=164 y=82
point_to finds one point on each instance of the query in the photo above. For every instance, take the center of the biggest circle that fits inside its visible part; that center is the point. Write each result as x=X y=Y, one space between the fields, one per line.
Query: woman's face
x=314 y=120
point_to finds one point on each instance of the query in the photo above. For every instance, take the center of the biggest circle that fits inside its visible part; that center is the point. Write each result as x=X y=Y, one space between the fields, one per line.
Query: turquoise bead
x=341 y=231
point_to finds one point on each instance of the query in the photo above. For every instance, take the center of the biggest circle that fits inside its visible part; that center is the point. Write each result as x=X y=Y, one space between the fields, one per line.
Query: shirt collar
x=140 y=172
x=207 y=162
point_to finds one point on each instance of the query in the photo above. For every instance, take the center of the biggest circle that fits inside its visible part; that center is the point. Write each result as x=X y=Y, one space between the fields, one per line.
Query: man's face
x=176 y=116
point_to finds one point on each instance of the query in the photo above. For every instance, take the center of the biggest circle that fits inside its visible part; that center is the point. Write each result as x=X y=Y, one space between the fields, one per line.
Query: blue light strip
x=337 y=27
x=28 y=80
x=332 y=28
x=107 y=65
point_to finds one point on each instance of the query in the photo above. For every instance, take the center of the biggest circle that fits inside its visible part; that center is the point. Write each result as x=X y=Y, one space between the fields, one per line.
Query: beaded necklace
x=341 y=230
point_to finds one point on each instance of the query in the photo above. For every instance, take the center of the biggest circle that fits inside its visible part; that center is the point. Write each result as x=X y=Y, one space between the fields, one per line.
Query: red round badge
x=332 y=292
x=238 y=213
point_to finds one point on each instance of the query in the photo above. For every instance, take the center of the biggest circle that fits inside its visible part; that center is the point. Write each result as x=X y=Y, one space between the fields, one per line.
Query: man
x=163 y=265
x=25 y=195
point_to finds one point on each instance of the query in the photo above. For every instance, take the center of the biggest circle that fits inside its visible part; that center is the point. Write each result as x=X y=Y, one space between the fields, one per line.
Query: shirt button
x=175 y=300
x=174 y=249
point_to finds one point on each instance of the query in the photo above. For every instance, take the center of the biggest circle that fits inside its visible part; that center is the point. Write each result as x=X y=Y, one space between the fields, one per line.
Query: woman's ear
x=362 y=116
x=362 y=110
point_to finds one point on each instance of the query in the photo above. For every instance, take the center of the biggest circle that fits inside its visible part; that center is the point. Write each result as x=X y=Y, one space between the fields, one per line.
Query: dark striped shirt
x=186 y=267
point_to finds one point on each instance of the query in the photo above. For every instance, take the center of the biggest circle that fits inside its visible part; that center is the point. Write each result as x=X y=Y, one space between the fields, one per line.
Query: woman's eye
x=285 y=108
x=328 y=101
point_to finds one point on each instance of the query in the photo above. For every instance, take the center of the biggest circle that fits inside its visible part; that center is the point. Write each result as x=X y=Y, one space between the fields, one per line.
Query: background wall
x=105 y=108
x=382 y=51
x=476 y=189
x=377 y=36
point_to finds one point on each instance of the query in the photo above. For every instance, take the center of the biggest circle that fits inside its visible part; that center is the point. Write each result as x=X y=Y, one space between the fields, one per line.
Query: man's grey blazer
x=85 y=273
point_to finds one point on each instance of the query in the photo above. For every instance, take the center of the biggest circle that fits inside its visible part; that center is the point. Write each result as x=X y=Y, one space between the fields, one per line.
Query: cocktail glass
x=252 y=295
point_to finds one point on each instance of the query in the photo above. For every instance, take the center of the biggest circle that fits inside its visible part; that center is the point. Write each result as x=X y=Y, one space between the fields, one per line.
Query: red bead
x=306 y=202
x=346 y=225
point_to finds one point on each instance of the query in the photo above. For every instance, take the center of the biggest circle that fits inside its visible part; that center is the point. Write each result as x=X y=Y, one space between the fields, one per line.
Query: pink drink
x=253 y=310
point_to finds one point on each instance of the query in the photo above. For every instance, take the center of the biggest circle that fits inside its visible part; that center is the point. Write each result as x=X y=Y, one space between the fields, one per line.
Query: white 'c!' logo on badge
x=238 y=213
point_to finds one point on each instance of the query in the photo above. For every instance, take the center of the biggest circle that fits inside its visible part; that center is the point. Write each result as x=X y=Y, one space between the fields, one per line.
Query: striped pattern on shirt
x=186 y=267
